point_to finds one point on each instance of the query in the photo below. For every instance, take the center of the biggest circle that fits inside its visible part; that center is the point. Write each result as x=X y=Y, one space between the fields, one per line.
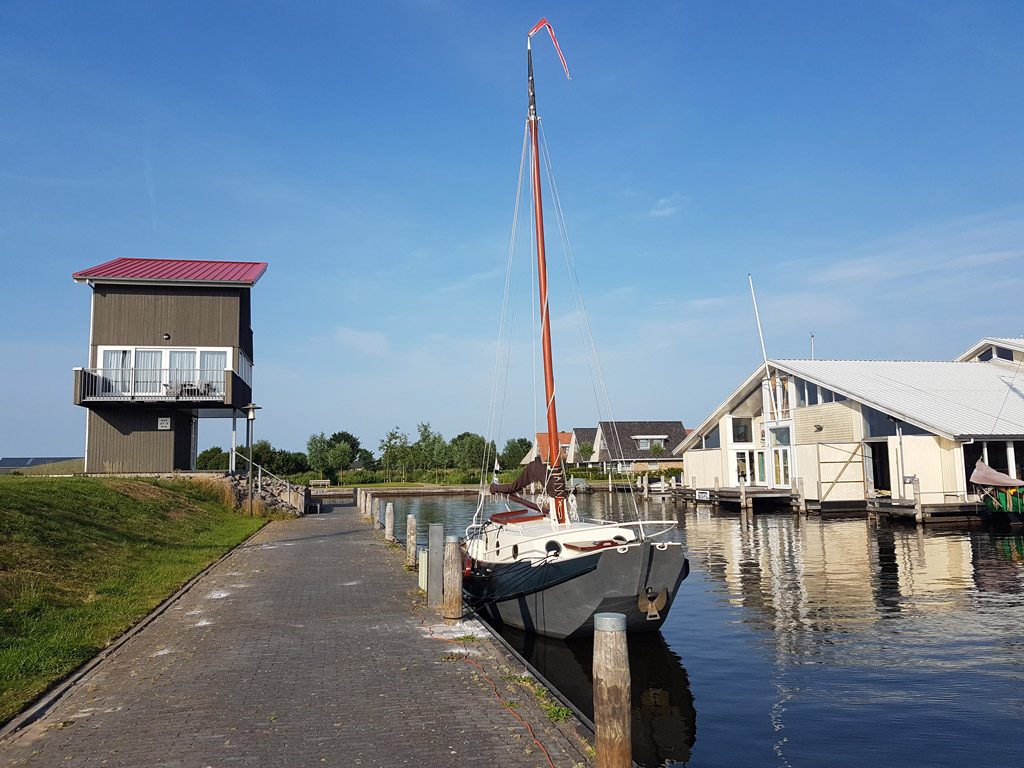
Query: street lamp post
x=250 y=418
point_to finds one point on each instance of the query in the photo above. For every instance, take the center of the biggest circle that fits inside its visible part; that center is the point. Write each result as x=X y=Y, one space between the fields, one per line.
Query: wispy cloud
x=667 y=207
x=961 y=245
x=367 y=342
x=471 y=280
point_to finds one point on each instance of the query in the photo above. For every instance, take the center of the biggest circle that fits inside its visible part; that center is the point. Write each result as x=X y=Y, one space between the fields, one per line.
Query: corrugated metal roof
x=956 y=399
x=174 y=271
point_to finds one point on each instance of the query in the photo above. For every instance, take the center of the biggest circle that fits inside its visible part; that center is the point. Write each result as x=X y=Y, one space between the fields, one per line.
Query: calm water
x=815 y=643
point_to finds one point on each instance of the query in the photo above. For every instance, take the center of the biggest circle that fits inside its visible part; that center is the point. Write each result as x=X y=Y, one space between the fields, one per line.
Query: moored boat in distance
x=541 y=568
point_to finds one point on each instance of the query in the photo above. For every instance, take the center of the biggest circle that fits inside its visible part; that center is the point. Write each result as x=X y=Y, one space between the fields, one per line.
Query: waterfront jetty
x=307 y=645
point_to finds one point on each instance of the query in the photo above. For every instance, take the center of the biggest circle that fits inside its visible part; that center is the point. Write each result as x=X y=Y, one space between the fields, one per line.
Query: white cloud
x=368 y=342
x=667 y=207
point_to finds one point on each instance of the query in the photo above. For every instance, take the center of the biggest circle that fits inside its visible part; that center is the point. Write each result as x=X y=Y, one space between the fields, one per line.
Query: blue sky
x=864 y=161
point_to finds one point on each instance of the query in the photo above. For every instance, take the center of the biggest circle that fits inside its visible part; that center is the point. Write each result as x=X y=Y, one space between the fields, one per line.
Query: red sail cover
x=983 y=474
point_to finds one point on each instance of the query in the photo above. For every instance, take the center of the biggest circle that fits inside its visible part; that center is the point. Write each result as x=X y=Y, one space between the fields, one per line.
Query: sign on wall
x=163 y=422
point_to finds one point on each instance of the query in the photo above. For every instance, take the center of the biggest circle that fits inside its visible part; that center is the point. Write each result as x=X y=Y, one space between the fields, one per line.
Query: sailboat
x=541 y=567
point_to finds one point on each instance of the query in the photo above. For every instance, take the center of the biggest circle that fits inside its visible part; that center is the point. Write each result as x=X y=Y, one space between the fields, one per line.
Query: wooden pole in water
x=612 y=715
x=452 y=605
x=410 y=541
x=389 y=522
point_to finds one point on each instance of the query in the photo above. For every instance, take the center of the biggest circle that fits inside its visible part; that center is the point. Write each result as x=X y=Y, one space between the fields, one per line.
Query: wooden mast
x=554 y=455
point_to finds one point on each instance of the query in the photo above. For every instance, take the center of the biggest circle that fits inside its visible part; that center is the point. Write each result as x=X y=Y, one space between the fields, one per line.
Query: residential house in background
x=540 y=447
x=638 y=446
x=852 y=430
x=170 y=342
x=582 y=438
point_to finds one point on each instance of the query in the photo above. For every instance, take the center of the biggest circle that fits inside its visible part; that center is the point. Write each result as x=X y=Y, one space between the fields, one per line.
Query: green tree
x=585 y=451
x=262 y=453
x=326 y=457
x=212 y=458
x=515 y=449
x=471 y=451
x=657 y=449
x=395 y=452
x=346 y=437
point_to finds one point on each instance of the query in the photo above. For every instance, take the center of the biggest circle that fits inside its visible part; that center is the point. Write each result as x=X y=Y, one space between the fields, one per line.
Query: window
x=643 y=443
x=986 y=355
x=712 y=439
x=878 y=424
x=211 y=370
x=148 y=373
x=742 y=430
x=116 y=374
x=826 y=395
x=1003 y=353
x=812 y=394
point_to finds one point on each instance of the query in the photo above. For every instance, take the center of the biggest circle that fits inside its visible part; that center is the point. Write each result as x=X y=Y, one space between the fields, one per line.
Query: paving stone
x=308 y=646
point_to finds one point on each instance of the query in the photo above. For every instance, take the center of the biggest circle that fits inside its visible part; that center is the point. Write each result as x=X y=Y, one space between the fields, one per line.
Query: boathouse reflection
x=809 y=576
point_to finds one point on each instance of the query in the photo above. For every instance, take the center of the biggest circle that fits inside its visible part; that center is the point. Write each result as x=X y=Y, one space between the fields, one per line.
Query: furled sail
x=534 y=472
x=983 y=474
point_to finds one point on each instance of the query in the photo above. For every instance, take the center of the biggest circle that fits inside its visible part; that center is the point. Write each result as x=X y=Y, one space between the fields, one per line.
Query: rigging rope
x=598 y=382
x=495 y=412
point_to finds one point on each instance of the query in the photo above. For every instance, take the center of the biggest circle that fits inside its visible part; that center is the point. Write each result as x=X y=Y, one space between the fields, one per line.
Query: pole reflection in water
x=664 y=720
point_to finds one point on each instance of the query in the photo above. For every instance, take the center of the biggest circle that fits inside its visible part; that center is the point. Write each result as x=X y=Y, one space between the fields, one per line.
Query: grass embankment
x=83 y=559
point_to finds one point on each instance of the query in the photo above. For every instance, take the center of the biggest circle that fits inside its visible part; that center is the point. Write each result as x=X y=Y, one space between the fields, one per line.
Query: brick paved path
x=302 y=648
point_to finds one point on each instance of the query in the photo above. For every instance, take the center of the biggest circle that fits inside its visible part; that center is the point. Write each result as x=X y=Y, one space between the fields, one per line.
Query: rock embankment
x=274 y=495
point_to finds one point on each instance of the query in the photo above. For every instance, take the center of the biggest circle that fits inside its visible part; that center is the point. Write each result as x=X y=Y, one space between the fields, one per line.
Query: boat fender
x=553 y=548
x=515 y=551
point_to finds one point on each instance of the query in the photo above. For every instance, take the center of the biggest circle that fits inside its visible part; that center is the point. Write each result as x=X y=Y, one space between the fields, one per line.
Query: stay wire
x=495 y=415
x=598 y=382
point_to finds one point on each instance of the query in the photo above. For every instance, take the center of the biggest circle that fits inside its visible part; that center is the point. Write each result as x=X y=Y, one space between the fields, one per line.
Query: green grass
x=83 y=559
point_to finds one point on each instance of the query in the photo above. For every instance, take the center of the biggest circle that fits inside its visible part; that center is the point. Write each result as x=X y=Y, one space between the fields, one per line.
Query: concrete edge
x=51 y=696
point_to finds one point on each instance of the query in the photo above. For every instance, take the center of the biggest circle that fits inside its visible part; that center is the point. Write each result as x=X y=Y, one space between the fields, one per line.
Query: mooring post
x=410 y=541
x=452 y=607
x=609 y=482
x=612 y=692
x=435 y=563
x=918 y=510
x=801 y=498
x=389 y=522
x=743 y=494
x=647 y=485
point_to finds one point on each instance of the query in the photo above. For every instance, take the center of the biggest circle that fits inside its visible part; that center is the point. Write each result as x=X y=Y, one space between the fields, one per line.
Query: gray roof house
x=581 y=436
x=638 y=446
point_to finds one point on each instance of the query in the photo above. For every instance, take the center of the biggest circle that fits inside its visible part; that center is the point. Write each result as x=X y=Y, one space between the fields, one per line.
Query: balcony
x=151 y=385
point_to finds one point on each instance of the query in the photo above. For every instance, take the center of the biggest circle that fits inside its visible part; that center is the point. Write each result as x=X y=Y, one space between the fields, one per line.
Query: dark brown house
x=170 y=342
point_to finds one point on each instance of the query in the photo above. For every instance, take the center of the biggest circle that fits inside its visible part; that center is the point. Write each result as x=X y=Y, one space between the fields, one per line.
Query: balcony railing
x=152 y=384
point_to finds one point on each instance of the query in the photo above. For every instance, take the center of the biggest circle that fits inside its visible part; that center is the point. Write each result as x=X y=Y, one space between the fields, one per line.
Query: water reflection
x=812 y=641
x=664 y=723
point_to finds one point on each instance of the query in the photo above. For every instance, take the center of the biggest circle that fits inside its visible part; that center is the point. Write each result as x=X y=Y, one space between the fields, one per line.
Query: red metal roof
x=174 y=271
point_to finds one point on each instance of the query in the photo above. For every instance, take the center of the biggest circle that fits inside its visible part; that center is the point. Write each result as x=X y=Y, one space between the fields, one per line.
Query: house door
x=781 y=456
x=148 y=373
x=880 y=479
x=116 y=375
